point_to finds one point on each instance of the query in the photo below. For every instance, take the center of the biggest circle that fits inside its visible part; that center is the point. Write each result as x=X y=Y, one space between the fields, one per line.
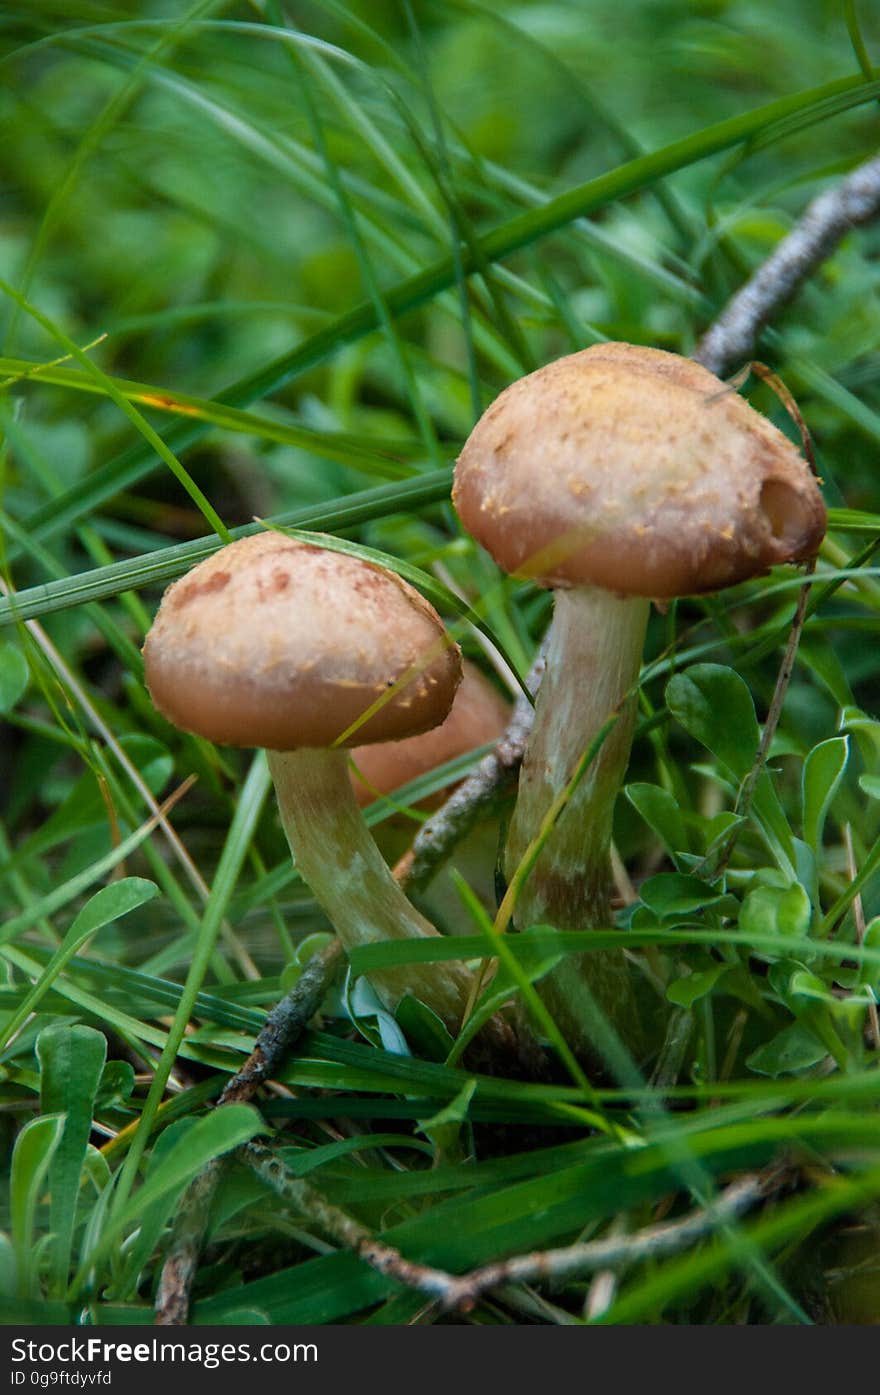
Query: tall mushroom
x=617 y=475
x=271 y=642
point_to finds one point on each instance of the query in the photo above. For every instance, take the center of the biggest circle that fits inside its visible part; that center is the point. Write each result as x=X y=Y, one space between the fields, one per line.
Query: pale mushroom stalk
x=599 y=638
x=593 y=661
x=335 y=854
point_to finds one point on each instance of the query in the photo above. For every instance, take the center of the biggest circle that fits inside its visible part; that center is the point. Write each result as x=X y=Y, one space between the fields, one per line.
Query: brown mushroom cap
x=638 y=471
x=272 y=642
x=479 y=714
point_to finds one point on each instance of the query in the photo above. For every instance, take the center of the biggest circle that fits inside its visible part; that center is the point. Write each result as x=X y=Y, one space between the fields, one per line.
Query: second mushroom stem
x=336 y=855
x=593 y=662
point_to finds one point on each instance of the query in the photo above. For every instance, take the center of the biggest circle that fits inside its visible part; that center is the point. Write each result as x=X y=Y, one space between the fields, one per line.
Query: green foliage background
x=272 y=261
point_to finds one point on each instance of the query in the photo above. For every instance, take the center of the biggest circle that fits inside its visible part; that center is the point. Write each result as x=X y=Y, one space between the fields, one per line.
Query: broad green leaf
x=14 y=676
x=714 y=705
x=117 y=1083
x=152 y=1218
x=794 y=1048
x=823 y=771
x=865 y=728
x=776 y=910
x=209 y=1137
x=661 y=813
x=684 y=992
x=674 y=893
x=804 y=984
x=808 y=998
x=31 y=1158
x=97 y=1169
x=871 y=785
x=71 y=1061
x=372 y=1020
x=307 y=947
x=422 y=1027
x=108 y=904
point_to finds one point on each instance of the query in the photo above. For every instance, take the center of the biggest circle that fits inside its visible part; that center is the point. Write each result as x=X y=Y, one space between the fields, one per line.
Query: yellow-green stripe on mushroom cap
x=271 y=642
x=616 y=475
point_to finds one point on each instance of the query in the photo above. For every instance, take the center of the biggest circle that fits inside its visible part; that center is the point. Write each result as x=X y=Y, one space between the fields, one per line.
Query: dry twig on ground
x=463 y=1292
x=283 y=1025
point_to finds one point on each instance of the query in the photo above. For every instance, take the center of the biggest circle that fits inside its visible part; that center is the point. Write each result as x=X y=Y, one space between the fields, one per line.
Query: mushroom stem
x=593 y=662
x=336 y=855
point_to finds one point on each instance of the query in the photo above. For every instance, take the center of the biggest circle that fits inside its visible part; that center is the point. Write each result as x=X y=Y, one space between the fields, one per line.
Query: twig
x=616 y=1252
x=436 y=838
x=282 y=1027
x=731 y=339
x=343 y=1228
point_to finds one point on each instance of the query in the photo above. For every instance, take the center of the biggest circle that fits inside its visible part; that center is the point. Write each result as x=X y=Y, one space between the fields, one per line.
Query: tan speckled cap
x=272 y=642
x=638 y=471
x=479 y=714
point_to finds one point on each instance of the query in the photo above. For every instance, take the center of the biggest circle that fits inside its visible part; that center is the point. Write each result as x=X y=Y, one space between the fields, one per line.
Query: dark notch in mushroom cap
x=638 y=471
x=273 y=642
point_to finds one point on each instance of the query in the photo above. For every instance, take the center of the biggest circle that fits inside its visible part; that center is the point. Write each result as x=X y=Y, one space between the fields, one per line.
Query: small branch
x=342 y=1227
x=617 y=1251
x=731 y=339
x=284 y=1024
x=462 y=1293
x=436 y=838
x=281 y=1029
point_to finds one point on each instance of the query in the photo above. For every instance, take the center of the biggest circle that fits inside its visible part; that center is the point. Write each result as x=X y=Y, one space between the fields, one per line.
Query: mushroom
x=617 y=475
x=479 y=714
x=272 y=642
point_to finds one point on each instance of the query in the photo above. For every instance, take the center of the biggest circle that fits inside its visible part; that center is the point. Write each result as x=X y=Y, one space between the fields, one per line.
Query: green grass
x=249 y=272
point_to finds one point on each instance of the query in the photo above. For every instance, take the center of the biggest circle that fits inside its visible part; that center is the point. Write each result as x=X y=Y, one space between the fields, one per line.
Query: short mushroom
x=617 y=475
x=479 y=714
x=272 y=642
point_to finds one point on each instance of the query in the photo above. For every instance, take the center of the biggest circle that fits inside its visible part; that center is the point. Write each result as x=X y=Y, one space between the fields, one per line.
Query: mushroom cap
x=478 y=714
x=273 y=642
x=638 y=471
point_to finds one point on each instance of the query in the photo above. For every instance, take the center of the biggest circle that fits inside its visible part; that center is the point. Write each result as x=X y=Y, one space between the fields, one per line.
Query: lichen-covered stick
x=730 y=341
